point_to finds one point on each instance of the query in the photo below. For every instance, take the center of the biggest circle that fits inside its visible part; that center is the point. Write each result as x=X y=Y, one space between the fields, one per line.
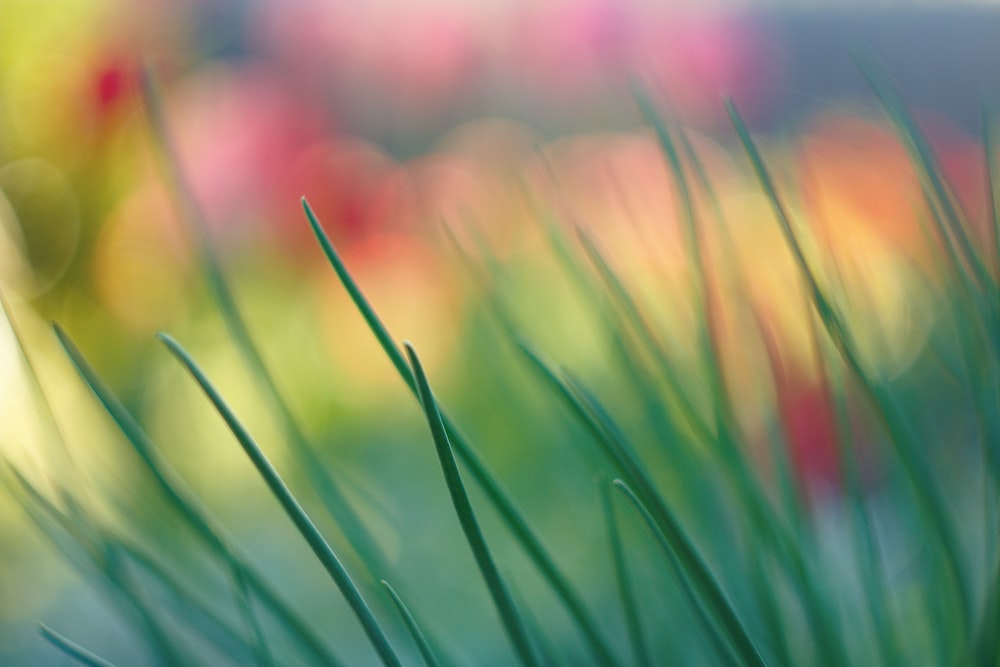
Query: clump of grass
x=742 y=573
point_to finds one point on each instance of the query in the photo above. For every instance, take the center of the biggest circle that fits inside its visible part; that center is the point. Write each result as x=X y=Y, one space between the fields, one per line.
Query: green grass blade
x=621 y=454
x=426 y=651
x=64 y=461
x=293 y=509
x=620 y=295
x=196 y=516
x=261 y=649
x=714 y=632
x=99 y=560
x=510 y=617
x=71 y=649
x=956 y=227
x=633 y=619
x=497 y=495
x=992 y=184
x=770 y=609
x=901 y=436
x=986 y=644
x=315 y=471
x=822 y=622
x=186 y=605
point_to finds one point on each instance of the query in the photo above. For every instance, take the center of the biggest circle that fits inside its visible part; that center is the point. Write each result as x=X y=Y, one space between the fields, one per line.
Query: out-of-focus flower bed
x=395 y=118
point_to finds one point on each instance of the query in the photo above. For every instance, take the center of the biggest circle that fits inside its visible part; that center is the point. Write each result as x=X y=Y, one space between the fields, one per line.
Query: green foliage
x=747 y=578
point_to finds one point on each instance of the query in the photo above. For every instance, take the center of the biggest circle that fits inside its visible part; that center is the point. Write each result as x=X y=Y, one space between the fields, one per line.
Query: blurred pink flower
x=237 y=133
x=696 y=58
x=567 y=47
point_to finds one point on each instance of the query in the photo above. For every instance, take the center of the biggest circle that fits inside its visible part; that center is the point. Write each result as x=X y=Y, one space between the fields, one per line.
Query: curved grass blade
x=511 y=618
x=316 y=472
x=187 y=607
x=426 y=651
x=633 y=621
x=72 y=649
x=992 y=178
x=196 y=516
x=64 y=460
x=293 y=509
x=715 y=635
x=901 y=436
x=99 y=559
x=985 y=647
x=692 y=564
x=490 y=485
x=955 y=226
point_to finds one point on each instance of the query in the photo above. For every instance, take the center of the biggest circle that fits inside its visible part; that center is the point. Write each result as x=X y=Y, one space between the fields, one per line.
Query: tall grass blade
x=497 y=495
x=633 y=619
x=509 y=615
x=902 y=438
x=714 y=633
x=316 y=472
x=196 y=516
x=596 y=421
x=72 y=649
x=186 y=606
x=293 y=509
x=426 y=651
x=955 y=227
x=98 y=558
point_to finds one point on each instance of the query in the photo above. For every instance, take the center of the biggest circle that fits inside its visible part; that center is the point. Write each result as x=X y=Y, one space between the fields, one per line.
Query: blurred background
x=395 y=118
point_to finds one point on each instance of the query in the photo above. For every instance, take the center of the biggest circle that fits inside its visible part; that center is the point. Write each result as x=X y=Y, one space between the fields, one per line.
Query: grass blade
x=510 y=617
x=100 y=560
x=315 y=471
x=901 y=436
x=411 y=624
x=715 y=634
x=691 y=562
x=633 y=622
x=293 y=509
x=512 y=621
x=196 y=516
x=497 y=495
x=956 y=227
x=73 y=650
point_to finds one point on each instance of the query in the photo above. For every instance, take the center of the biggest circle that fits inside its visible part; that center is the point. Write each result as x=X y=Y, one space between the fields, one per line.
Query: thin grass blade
x=426 y=651
x=715 y=635
x=633 y=619
x=99 y=559
x=692 y=565
x=187 y=504
x=901 y=436
x=509 y=615
x=956 y=227
x=316 y=472
x=320 y=547
x=72 y=649
x=490 y=485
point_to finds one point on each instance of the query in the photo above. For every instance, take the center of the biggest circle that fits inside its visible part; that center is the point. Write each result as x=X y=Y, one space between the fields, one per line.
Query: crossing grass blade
x=714 y=634
x=692 y=566
x=426 y=651
x=320 y=547
x=509 y=615
x=633 y=619
x=72 y=649
x=491 y=486
x=189 y=507
x=97 y=558
x=902 y=438
x=954 y=226
x=313 y=467
x=187 y=607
